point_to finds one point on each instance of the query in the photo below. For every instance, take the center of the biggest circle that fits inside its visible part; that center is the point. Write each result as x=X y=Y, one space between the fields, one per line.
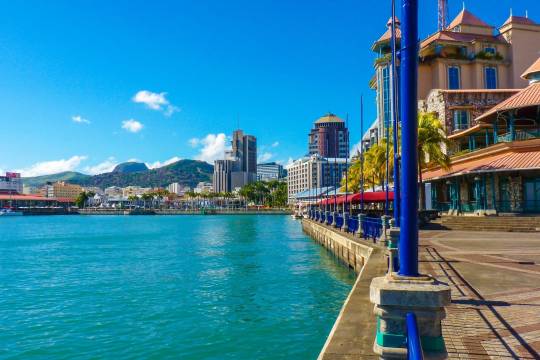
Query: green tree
x=431 y=141
x=81 y=199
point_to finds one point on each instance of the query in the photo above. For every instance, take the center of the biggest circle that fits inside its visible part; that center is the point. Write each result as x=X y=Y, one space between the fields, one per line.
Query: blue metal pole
x=408 y=239
x=361 y=154
x=395 y=123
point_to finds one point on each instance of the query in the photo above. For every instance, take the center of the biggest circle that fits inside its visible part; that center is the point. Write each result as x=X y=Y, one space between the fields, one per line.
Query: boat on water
x=10 y=212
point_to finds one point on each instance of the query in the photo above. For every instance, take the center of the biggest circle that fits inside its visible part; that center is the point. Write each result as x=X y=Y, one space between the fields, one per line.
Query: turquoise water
x=182 y=287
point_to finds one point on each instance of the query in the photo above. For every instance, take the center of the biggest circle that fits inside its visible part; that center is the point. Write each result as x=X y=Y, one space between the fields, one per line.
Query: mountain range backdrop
x=186 y=172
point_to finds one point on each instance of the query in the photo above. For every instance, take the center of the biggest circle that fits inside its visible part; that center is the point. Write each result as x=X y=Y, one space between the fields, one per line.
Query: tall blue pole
x=395 y=121
x=361 y=154
x=408 y=239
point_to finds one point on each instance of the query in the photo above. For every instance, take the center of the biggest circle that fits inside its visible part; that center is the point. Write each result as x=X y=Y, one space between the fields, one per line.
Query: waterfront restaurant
x=498 y=167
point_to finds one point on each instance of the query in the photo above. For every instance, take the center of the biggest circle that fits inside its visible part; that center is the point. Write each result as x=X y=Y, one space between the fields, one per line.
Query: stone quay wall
x=353 y=333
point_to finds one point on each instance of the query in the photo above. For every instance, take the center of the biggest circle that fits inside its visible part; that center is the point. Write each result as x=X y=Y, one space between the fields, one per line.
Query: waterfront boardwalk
x=495 y=309
x=495 y=281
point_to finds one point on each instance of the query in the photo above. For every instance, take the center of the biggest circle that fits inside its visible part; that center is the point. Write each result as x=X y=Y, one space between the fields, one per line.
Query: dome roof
x=329 y=118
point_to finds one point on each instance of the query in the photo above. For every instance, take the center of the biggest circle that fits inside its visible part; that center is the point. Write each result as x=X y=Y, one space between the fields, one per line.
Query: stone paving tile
x=501 y=325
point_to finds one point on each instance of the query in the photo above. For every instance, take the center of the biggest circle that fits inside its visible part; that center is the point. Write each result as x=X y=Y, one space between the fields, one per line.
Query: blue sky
x=87 y=84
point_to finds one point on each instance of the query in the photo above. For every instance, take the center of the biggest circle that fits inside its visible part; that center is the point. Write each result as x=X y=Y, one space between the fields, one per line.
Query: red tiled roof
x=452 y=36
x=519 y=20
x=20 y=197
x=388 y=35
x=465 y=17
x=530 y=96
x=534 y=68
x=500 y=162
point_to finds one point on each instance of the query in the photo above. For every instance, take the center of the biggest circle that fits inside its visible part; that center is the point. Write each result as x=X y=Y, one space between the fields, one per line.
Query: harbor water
x=165 y=287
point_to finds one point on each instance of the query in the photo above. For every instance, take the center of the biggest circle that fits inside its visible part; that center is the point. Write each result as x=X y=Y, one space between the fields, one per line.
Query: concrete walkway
x=495 y=280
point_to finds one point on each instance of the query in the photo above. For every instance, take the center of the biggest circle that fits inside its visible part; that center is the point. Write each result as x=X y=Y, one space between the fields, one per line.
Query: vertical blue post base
x=394 y=296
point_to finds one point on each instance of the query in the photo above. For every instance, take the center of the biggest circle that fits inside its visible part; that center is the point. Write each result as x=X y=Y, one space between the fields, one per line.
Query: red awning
x=377 y=196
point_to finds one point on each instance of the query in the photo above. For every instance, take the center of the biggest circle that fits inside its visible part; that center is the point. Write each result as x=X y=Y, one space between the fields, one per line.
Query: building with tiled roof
x=495 y=165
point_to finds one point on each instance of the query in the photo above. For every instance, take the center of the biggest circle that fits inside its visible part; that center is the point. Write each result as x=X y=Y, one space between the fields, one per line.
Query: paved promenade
x=495 y=280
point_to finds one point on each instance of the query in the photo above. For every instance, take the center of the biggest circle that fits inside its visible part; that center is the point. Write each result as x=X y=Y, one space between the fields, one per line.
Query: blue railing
x=339 y=221
x=323 y=216
x=352 y=224
x=371 y=228
x=414 y=347
x=329 y=220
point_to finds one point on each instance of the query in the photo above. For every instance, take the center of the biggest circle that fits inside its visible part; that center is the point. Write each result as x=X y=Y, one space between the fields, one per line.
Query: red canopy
x=377 y=196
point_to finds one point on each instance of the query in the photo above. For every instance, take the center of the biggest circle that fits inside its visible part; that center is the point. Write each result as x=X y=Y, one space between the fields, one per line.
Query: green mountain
x=129 y=167
x=185 y=172
x=69 y=176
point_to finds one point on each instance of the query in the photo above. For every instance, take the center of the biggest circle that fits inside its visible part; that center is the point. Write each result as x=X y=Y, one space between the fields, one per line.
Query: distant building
x=239 y=167
x=93 y=189
x=30 y=190
x=270 y=171
x=314 y=172
x=134 y=191
x=178 y=189
x=62 y=189
x=223 y=170
x=329 y=137
x=11 y=183
x=204 y=187
x=113 y=191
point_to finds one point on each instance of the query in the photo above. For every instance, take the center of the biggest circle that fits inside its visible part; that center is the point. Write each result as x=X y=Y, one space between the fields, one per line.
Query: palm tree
x=431 y=141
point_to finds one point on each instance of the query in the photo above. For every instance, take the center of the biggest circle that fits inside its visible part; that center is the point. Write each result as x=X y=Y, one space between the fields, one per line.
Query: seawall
x=109 y=211
x=353 y=333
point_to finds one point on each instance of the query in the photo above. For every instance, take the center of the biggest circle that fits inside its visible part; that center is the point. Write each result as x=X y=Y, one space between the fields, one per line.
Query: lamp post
x=395 y=295
x=408 y=240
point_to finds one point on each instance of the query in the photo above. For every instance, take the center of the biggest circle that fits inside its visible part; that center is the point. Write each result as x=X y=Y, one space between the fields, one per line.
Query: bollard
x=345 y=227
x=361 y=218
x=385 y=221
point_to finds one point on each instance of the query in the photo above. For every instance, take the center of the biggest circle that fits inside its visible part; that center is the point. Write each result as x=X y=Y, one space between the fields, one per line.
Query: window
x=490 y=77
x=490 y=50
x=386 y=95
x=461 y=120
x=454 y=78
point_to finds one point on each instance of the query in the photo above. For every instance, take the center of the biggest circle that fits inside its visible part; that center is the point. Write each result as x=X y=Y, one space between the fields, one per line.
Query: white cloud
x=194 y=142
x=159 y=164
x=290 y=161
x=79 y=119
x=132 y=125
x=155 y=101
x=52 y=167
x=213 y=147
x=101 y=168
x=275 y=144
x=264 y=157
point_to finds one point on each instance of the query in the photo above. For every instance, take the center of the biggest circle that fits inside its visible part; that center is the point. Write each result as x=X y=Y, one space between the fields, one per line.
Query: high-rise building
x=329 y=137
x=270 y=171
x=239 y=167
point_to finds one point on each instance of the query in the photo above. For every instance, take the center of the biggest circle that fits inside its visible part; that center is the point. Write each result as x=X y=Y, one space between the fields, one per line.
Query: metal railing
x=371 y=228
x=329 y=219
x=352 y=224
x=414 y=346
x=339 y=221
